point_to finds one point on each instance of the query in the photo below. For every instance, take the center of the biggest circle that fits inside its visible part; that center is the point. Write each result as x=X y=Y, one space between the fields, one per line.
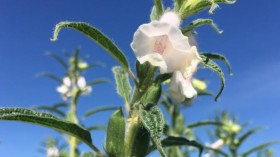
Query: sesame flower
x=66 y=88
x=162 y=44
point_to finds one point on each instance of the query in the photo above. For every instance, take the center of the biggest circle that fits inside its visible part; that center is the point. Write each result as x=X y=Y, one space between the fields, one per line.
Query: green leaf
x=191 y=7
x=100 y=109
x=153 y=120
x=98 y=81
x=49 y=109
x=199 y=22
x=178 y=141
x=178 y=4
x=204 y=93
x=122 y=82
x=96 y=127
x=163 y=77
x=51 y=76
x=46 y=119
x=145 y=73
x=247 y=134
x=208 y=63
x=219 y=57
x=158 y=8
x=257 y=148
x=203 y=123
x=97 y=36
x=60 y=60
x=115 y=134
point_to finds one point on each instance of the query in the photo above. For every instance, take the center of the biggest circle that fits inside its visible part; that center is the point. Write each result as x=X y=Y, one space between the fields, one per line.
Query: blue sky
x=250 y=41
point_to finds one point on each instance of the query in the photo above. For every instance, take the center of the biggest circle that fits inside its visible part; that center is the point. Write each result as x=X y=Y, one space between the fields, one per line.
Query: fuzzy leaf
x=50 y=109
x=97 y=36
x=153 y=120
x=59 y=59
x=178 y=141
x=116 y=134
x=191 y=7
x=122 y=82
x=46 y=119
x=219 y=57
x=208 y=63
x=100 y=109
x=199 y=22
x=158 y=9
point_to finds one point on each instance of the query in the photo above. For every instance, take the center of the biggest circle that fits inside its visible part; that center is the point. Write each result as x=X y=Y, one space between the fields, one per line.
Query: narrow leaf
x=60 y=60
x=257 y=148
x=178 y=141
x=96 y=127
x=97 y=81
x=200 y=22
x=247 y=134
x=215 y=68
x=100 y=109
x=122 y=82
x=203 y=123
x=45 y=119
x=97 y=36
x=51 y=76
x=219 y=57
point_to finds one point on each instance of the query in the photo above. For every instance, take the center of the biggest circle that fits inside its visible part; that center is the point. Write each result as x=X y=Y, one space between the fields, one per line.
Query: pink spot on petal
x=160 y=44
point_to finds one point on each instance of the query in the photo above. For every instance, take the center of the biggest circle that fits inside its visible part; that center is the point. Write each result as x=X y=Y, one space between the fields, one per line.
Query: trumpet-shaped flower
x=66 y=88
x=162 y=44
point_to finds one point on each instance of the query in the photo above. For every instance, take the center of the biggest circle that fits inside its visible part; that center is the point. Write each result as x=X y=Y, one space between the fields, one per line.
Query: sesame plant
x=165 y=50
x=230 y=136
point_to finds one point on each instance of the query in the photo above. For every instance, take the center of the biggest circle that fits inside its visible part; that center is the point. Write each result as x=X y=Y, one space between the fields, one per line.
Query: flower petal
x=81 y=82
x=181 y=88
x=155 y=59
x=62 y=89
x=67 y=81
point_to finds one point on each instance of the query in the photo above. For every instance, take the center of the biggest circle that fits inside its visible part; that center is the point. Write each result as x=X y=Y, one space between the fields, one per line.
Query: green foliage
x=115 y=135
x=158 y=9
x=208 y=63
x=45 y=119
x=203 y=123
x=258 y=148
x=122 y=82
x=178 y=141
x=50 y=109
x=51 y=76
x=97 y=81
x=199 y=22
x=97 y=36
x=219 y=57
x=96 y=127
x=191 y=7
x=145 y=73
x=58 y=59
x=153 y=120
x=100 y=109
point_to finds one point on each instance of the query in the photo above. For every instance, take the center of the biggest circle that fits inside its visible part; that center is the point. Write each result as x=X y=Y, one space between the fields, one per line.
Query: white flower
x=66 y=88
x=52 y=152
x=162 y=44
x=181 y=87
x=216 y=145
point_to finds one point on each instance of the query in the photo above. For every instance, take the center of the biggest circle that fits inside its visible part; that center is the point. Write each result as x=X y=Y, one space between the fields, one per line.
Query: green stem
x=73 y=113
